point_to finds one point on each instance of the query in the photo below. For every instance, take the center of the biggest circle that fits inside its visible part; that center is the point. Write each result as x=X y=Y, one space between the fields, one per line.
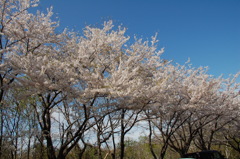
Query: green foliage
x=140 y=149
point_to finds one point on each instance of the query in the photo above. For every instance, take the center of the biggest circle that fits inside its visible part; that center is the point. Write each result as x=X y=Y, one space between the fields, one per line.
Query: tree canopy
x=58 y=90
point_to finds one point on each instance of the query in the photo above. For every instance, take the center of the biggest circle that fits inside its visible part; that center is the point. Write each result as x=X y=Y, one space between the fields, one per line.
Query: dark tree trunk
x=1 y=124
x=122 y=137
x=122 y=145
x=47 y=134
x=150 y=140
x=99 y=146
x=50 y=149
x=114 y=147
x=1 y=133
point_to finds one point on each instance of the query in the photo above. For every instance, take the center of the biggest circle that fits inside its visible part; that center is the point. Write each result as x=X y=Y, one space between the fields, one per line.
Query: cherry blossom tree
x=192 y=101
x=69 y=75
x=12 y=38
x=56 y=67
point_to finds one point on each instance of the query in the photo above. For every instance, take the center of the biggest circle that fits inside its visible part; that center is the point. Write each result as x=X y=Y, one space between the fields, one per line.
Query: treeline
x=71 y=95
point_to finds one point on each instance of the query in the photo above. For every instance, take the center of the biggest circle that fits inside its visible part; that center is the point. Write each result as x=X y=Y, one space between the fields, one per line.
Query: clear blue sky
x=206 y=31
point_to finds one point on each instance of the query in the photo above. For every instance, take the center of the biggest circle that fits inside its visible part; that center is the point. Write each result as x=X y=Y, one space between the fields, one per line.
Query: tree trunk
x=122 y=137
x=150 y=140
x=47 y=134
x=99 y=146
x=61 y=156
x=113 y=154
x=114 y=147
x=1 y=124
x=50 y=149
x=29 y=148
x=1 y=132
x=122 y=146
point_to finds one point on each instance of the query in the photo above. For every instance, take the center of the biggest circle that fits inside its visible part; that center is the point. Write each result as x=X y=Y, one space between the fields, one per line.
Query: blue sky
x=206 y=31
